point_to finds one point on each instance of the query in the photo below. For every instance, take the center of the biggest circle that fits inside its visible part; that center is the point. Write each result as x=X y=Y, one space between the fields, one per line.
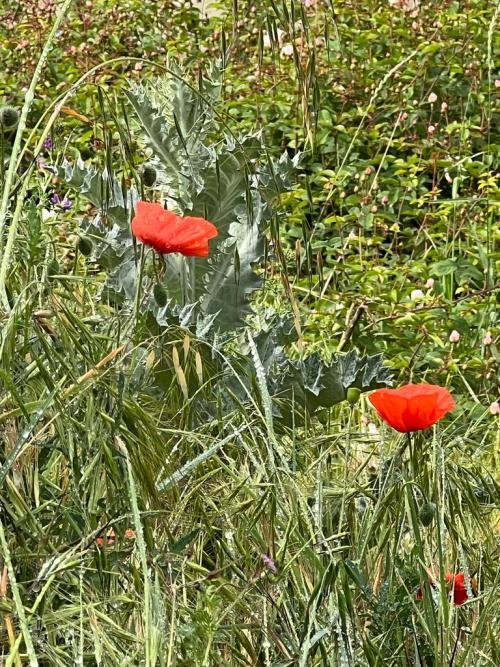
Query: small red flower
x=413 y=407
x=110 y=539
x=130 y=533
x=167 y=232
x=456 y=586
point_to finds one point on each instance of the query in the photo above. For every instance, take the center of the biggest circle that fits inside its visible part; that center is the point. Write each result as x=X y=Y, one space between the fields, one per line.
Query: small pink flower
x=430 y=283
x=487 y=340
x=454 y=336
x=287 y=50
x=432 y=98
x=497 y=83
x=431 y=129
x=269 y=563
x=495 y=408
x=444 y=106
x=266 y=43
x=281 y=36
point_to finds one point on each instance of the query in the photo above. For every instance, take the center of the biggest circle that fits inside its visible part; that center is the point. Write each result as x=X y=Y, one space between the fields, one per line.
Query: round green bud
x=53 y=268
x=353 y=395
x=148 y=175
x=85 y=245
x=160 y=295
x=9 y=118
x=427 y=513
x=322 y=416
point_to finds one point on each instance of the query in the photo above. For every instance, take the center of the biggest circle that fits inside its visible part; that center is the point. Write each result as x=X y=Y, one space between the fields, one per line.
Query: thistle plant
x=230 y=186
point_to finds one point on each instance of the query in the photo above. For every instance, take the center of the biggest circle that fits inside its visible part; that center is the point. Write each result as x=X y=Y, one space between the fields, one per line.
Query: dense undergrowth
x=190 y=471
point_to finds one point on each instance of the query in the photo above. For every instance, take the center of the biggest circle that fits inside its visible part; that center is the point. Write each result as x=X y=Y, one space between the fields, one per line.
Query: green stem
x=4 y=266
x=347 y=456
x=192 y=280
x=138 y=291
x=141 y=544
x=17 y=600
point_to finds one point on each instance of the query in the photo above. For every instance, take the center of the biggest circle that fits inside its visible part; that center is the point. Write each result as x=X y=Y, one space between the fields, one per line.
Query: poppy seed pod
x=353 y=394
x=85 y=245
x=53 y=268
x=361 y=506
x=148 y=175
x=427 y=514
x=9 y=118
x=160 y=295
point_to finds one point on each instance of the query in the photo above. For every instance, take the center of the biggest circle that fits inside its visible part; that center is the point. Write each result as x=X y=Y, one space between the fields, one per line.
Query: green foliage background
x=109 y=419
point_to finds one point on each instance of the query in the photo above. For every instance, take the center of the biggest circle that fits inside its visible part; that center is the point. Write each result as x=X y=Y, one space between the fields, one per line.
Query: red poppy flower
x=413 y=407
x=166 y=232
x=455 y=583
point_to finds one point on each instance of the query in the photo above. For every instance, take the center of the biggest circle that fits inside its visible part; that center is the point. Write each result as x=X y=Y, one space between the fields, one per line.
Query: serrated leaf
x=101 y=189
x=227 y=291
x=316 y=384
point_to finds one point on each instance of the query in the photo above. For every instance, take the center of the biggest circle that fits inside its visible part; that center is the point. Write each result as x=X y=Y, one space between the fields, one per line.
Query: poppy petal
x=192 y=236
x=200 y=226
x=391 y=407
x=154 y=226
x=459 y=589
x=167 y=232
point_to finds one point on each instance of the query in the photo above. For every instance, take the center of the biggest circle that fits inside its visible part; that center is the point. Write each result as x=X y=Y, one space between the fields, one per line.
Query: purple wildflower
x=269 y=563
x=66 y=204
x=55 y=199
x=48 y=144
